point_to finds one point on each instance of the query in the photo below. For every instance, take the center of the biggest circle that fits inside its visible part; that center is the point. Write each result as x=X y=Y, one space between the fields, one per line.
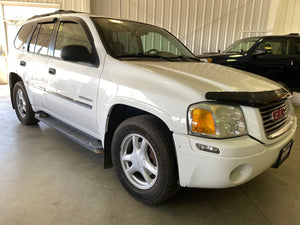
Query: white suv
x=134 y=93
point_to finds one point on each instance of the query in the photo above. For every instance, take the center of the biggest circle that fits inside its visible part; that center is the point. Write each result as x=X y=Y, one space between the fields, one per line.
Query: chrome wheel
x=21 y=103
x=139 y=161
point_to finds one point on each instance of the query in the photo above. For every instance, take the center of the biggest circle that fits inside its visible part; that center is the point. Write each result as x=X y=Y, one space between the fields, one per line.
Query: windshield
x=127 y=39
x=242 y=45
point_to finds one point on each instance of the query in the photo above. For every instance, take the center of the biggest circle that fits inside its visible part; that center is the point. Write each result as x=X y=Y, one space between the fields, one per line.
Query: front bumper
x=240 y=159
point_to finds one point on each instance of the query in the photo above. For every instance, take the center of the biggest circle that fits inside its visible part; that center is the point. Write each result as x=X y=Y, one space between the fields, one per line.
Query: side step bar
x=81 y=138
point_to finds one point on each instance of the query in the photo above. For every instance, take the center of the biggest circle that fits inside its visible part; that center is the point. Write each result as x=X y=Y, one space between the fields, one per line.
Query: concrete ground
x=47 y=179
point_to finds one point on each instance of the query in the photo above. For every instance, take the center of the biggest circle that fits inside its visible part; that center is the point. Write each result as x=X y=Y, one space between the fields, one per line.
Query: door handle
x=52 y=71
x=22 y=63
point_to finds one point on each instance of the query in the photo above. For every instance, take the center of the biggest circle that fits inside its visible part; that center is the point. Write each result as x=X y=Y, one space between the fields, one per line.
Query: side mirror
x=260 y=52
x=76 y=53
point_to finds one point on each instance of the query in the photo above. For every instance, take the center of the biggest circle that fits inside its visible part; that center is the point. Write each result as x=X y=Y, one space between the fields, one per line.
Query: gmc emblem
x=278 y=114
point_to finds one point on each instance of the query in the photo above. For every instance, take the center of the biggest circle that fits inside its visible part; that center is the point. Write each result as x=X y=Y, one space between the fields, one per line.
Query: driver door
x=72 y=86
x=273 y=64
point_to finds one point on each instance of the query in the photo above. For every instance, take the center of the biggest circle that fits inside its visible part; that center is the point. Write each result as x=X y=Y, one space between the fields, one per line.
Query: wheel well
x=13 y=79
x=118 y=114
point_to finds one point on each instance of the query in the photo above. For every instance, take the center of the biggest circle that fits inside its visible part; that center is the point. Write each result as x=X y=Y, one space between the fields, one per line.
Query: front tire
x=22 y=105
x=144 y=159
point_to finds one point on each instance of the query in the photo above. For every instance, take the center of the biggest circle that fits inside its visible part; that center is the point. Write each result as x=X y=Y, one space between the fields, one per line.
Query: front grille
x=274 y=126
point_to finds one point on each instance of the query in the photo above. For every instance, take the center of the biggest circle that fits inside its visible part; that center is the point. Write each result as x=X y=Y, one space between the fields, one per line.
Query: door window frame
x=84 y=28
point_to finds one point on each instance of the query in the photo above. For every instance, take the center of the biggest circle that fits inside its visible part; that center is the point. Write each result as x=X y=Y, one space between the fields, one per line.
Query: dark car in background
x=274 y=57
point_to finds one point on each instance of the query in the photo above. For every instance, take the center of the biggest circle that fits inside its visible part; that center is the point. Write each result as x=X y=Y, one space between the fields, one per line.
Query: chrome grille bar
x=273 y=127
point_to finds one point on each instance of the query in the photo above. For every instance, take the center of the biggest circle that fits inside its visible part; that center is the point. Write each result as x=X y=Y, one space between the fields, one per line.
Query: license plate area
x=284 y=154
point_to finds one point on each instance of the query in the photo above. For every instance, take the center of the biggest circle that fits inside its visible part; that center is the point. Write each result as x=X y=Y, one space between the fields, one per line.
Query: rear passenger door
x=37 y=76
x=273 y=64
x=21 y=58
x=72 y=85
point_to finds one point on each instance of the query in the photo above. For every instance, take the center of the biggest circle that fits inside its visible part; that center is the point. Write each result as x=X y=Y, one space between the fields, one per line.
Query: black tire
x=156 y=174
x=22 y=105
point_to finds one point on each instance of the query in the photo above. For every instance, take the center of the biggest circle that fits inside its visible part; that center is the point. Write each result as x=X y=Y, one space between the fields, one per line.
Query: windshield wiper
x=239 y=52
x=143 y=55
x=186 y=57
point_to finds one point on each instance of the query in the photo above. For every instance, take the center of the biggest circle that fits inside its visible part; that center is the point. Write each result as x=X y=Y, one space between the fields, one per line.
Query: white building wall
x=202 y=25
x=7 y=35
x=78 y=5
x=288 y=17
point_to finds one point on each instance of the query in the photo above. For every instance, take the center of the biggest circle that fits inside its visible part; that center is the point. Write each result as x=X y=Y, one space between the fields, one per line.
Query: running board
x=81 y=138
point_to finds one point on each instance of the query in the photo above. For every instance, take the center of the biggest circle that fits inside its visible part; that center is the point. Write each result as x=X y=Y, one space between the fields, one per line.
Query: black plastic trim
x=56 y=13
x=254 y=99
x=284 y=154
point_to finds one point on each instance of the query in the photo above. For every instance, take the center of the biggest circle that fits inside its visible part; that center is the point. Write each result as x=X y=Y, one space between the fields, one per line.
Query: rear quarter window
x=40 y=39
x=43 y=38
x=24 y=33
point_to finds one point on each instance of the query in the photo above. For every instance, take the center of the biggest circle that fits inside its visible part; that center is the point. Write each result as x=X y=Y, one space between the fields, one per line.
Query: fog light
x=208 y=148
x=240 y=174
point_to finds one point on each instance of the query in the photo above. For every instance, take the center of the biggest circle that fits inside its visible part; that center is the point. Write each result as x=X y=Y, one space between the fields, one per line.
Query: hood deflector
x=254 y=99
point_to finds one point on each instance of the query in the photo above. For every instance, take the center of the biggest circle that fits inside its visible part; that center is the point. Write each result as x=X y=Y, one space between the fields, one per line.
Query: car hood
x=167 y=89
x=206 y=77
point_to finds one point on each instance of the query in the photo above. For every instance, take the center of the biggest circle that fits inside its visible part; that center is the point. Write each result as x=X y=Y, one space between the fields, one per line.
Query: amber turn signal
x=203 y=122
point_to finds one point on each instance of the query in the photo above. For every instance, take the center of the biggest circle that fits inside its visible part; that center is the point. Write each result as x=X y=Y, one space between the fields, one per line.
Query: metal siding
x=203 y=25
x=78 y=5
x=288 y=17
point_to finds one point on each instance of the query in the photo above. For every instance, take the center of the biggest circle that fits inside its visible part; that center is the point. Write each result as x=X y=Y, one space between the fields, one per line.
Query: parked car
x=135 y=94
x=274 y=57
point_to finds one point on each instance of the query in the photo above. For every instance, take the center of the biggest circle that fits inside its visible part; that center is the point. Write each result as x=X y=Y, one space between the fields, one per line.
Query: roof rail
x=53 y=13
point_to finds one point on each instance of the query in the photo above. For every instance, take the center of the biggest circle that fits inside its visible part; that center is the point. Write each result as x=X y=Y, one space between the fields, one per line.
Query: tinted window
x=43 y=38
x=70 y=33
x=296 y=46
x=125 y=41
x=157 y=41
x=23 y=35
x=129 y=43
x=242 y=45
x=132 y=39
x=274 y=46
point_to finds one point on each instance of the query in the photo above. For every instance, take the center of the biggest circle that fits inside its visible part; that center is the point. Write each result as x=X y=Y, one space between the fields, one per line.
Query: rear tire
x=22 y=105
x=144 y=159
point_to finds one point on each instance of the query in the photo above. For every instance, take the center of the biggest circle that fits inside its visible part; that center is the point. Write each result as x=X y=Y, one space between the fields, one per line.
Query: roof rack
x=53 y=13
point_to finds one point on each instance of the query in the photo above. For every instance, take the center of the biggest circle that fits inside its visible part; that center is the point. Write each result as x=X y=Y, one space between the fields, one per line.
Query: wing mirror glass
x=260 y=52
x=76 y=53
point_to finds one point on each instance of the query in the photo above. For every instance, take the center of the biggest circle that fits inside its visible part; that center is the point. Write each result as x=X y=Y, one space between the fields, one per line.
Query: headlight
x=216 y=120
